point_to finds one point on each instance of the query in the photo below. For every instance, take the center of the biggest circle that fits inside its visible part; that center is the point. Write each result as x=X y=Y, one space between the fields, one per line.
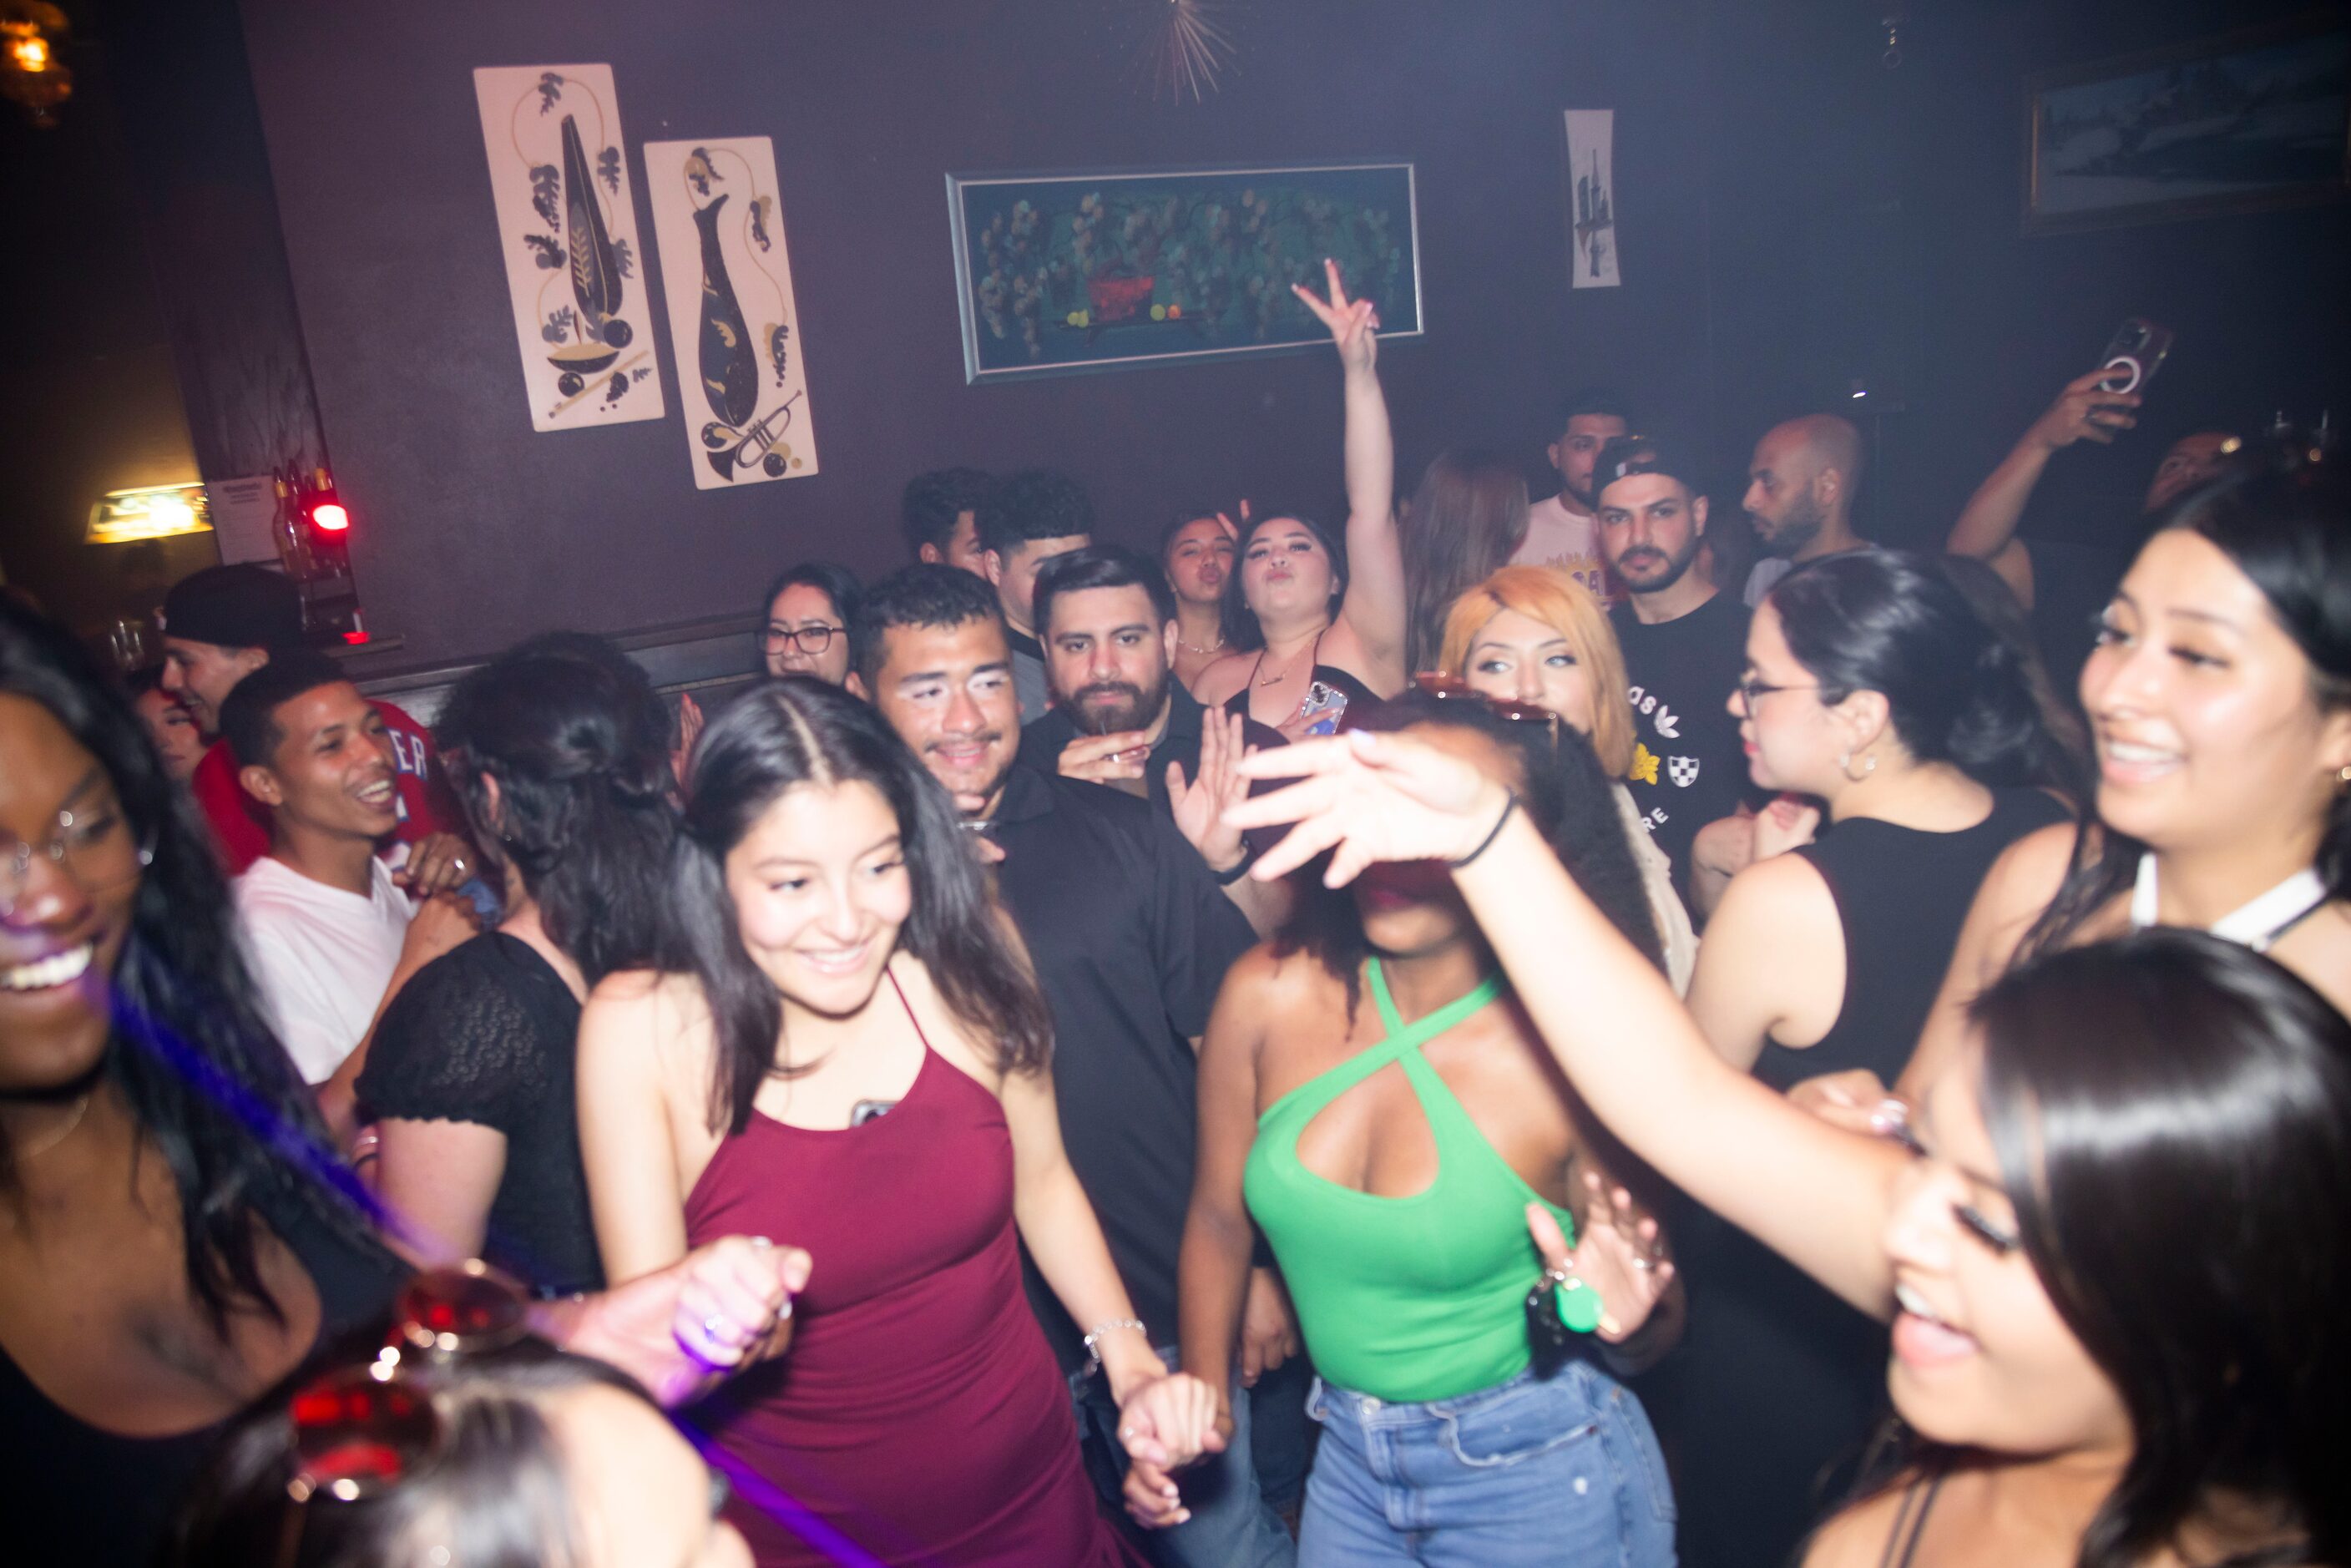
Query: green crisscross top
x=1406 y=1299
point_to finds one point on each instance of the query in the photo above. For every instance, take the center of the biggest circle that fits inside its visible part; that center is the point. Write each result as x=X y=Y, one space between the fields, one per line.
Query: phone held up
x=2134 y=354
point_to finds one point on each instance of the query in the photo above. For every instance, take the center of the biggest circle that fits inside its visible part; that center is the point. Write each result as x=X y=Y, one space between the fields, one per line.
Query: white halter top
x=2254 y=925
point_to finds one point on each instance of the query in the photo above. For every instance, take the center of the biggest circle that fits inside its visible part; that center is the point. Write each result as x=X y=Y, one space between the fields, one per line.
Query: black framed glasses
x=1752 y=691
x=811 y=639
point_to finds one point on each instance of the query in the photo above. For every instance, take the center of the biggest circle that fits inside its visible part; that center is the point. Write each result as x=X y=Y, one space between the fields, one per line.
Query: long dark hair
x=1467 y=519
x=1566 y=794
x=1955 y=691
x=191 y=1053
x=1241 y=630
x=495 y=1493
x=2128 y=1086
x=799 y=730
x=2288 y=529
x=582 y=814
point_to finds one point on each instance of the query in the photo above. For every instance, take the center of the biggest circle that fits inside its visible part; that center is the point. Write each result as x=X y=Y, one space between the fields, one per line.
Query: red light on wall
x=331 y=517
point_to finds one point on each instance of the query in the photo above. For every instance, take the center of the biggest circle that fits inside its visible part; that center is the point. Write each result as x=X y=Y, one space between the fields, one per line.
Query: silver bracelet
x=1094 y=1338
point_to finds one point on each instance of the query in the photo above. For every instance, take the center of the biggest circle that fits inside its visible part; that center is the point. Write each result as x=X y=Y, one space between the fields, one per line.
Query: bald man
x=1801 y=485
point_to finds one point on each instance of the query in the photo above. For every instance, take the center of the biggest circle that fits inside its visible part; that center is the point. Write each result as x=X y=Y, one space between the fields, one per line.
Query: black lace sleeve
x=459 y=1043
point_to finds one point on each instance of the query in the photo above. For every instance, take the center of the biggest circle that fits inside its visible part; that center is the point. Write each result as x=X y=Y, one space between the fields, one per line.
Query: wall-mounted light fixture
x=156 y=512
x=30 y=72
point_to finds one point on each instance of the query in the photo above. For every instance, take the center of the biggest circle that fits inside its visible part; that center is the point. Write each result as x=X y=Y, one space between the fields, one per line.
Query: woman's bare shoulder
x=1221 y=679
x=1855 y=1537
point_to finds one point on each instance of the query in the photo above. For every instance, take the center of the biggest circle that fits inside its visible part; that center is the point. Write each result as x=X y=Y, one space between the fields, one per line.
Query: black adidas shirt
x=1689 y=767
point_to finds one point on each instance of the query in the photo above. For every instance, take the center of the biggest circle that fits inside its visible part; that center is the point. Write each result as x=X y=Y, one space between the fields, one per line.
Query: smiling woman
x=851 y=1049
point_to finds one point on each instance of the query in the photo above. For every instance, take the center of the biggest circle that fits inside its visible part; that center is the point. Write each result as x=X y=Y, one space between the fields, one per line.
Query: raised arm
x=1374 y=613
x=1816 y=1194
x=1986 y=531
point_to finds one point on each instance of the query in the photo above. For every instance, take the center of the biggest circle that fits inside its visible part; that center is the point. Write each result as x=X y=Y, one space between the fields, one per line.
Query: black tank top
x=1901 y=897
x=1330 y=692
x=72 y=1492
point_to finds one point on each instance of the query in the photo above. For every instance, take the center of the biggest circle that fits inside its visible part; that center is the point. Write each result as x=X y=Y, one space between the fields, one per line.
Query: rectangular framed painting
x=2236 y=123
x=732 y=321
x=1075 y=272
x=567 y=231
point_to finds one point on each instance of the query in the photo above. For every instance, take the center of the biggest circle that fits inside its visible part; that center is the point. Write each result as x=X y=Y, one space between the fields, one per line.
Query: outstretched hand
x=1354 y=324
x=1367 y=797
x=1200 y=806
x=722 y=1307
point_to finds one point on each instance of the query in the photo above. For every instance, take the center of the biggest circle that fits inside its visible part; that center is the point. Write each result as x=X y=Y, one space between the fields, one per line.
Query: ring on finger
x=714 y=1326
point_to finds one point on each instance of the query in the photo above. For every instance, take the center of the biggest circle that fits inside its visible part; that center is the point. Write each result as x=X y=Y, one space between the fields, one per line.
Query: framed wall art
x=567 y=231
x=2230 y=124
x=1072 y=272
x=732 y=320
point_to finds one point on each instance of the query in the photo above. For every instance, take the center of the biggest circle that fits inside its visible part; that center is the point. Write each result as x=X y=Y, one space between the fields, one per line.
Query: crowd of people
x=1493 y=1033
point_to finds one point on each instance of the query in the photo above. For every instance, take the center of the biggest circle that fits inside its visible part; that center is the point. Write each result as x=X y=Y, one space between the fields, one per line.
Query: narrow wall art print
x=1070 y=272
x=732 y=320
x=567 y=234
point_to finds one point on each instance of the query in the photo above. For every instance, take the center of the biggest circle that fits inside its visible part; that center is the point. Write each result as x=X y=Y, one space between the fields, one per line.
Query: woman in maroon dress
x=849 y=1051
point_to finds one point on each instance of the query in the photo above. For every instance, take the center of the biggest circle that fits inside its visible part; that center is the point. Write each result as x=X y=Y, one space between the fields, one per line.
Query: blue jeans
x=1557 y=1472
x=1232 y=1495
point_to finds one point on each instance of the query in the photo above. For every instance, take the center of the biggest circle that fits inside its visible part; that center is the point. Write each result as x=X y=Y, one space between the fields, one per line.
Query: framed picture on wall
x=2236 y=123
x=1058 y=273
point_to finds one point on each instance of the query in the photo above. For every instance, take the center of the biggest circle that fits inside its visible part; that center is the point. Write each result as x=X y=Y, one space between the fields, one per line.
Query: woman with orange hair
x=1533 y=634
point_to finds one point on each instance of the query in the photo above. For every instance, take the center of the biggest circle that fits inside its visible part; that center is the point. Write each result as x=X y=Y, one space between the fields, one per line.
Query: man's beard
x=1587 y=495
x=1677 y=567
x=1800 y=528
x=1136 y=710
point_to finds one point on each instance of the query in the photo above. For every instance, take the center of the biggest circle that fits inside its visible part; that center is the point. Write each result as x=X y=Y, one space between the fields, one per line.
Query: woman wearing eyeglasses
x=1373 y=1097
x=804 y=625
x=1874 y=687
x=2119 y=1250
x=176 y=1235
x=1535 y=634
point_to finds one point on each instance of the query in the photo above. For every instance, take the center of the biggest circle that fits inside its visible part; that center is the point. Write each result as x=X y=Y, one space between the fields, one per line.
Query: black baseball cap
x=241 y=606
x=1639 y=453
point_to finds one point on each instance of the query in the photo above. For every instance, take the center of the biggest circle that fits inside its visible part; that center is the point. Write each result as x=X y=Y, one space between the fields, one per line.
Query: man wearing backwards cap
x=1684 y=644
x=220 y=625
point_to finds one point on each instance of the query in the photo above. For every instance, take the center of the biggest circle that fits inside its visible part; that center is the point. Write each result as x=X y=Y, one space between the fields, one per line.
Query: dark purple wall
x=472 y=529
x=1867 y=222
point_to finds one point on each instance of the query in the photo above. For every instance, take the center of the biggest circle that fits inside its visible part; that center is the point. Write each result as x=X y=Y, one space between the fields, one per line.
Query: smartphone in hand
x=2134 y=354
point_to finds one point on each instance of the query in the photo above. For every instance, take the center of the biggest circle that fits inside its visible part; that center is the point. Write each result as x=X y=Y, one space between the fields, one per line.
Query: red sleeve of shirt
x=240 y=830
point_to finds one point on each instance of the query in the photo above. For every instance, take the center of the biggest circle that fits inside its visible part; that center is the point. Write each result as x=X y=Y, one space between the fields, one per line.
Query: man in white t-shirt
x=330 y=931
x=1563 y=531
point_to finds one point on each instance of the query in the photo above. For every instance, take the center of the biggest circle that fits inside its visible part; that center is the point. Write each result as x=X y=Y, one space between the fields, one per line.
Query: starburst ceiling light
x=30 y=72
x=1188 y=47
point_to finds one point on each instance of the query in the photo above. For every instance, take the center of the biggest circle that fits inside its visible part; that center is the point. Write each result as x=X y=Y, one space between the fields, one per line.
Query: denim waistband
x=1577 y=1379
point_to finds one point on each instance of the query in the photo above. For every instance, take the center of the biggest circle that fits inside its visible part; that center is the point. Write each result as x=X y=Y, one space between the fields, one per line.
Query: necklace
x=62 y=1134
x=2254 y=925
x=1283 y=673
x=1215 y=647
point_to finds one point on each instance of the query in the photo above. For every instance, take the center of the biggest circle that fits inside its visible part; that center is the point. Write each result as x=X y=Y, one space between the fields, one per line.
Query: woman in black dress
x=559 y=752
x=1875 y=687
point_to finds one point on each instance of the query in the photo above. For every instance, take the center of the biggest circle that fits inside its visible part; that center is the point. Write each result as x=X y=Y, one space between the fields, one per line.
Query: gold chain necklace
x=81 y=1108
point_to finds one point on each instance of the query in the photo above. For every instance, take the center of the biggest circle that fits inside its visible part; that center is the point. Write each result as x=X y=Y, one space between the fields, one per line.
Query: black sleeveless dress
x=1330 y=692
x=1770 y=1403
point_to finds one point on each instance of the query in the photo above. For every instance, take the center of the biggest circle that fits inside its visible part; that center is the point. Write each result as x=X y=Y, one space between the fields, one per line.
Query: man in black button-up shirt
x=1107 y=619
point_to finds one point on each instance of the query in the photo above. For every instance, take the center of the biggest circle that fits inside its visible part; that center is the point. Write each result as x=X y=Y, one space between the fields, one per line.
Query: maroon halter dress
x=918 y=1417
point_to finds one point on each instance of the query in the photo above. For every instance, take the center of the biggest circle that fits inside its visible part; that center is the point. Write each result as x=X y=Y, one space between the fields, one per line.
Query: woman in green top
x=1412 y=1161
